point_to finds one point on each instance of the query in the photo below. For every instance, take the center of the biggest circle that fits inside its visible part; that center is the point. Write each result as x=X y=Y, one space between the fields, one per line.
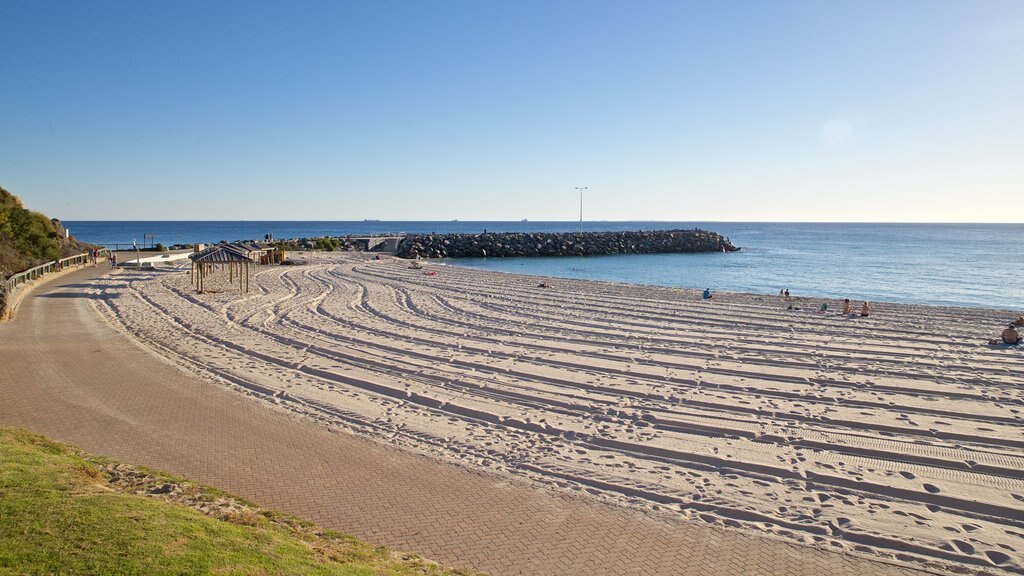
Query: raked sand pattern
x=899 y=435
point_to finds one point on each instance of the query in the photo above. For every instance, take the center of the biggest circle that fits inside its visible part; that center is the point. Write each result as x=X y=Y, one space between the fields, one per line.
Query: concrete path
x=66 y=374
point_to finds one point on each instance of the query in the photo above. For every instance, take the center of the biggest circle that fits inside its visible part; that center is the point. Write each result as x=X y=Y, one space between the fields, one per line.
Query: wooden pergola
x=207 y=262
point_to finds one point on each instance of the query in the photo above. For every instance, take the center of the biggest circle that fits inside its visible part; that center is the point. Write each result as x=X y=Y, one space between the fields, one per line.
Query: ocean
x=973 y=265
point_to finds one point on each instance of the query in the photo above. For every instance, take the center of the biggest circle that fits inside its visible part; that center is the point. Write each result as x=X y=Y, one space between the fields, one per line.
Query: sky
x=867 y=111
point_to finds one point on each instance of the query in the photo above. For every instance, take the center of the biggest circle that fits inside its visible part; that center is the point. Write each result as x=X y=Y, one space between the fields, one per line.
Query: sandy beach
x=899 y=435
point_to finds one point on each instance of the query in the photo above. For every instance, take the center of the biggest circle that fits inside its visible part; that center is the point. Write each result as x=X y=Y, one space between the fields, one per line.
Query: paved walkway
x=66 y=374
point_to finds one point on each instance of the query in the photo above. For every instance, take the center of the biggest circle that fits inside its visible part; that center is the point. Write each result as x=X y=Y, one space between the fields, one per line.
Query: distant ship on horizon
x=370 y=220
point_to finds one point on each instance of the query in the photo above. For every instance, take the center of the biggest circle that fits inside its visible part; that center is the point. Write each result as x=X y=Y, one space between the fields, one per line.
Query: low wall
x=509 y=244
x=9 y=300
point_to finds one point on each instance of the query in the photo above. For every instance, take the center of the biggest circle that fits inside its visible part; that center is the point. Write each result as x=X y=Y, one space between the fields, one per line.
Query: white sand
x=900 y=435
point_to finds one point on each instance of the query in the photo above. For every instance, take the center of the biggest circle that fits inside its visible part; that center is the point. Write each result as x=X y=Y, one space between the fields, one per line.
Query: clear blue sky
x=892 y=110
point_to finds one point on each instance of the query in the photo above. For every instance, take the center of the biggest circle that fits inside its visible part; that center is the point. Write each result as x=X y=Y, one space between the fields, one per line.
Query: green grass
x=60 y=514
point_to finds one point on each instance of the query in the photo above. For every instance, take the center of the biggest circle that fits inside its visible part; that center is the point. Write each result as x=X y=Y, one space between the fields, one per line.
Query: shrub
x=26 y=237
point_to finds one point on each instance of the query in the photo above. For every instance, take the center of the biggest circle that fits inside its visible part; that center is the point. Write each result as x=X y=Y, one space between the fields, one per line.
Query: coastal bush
x=28 y=238
x=327 y=244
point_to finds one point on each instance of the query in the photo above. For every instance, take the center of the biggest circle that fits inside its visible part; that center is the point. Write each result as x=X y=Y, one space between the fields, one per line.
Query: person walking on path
x=113 y=260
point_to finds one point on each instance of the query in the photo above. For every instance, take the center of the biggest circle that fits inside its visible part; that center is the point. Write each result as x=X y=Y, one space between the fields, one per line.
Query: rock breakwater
x=510 y=244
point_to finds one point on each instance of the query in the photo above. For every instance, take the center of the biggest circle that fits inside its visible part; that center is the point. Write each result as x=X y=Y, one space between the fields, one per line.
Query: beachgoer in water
x=846 y=306
x=865 y=309
x=707 y=294
x=1010 y=335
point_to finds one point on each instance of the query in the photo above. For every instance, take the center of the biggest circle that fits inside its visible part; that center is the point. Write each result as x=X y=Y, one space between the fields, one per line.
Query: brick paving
x=66 y=374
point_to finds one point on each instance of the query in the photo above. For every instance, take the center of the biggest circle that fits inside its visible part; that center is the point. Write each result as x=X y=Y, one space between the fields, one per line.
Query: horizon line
x=449 y=221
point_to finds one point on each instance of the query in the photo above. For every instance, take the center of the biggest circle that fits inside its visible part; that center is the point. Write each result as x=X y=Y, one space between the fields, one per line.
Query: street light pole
x=581 y=189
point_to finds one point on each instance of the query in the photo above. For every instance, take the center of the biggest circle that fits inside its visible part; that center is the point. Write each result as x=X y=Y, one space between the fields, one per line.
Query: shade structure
x=231 y=256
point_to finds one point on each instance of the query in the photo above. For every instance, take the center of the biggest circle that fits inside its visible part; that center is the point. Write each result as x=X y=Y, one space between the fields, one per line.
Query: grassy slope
x=59 y=514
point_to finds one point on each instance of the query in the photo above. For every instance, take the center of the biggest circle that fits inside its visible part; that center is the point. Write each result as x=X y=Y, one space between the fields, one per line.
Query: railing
x=54 y=266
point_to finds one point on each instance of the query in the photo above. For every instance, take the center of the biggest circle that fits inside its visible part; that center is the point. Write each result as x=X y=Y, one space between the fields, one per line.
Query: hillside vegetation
x=28 y=238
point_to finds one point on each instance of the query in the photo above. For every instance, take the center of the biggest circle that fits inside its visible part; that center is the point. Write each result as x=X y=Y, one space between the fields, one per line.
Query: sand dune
x=897 y=435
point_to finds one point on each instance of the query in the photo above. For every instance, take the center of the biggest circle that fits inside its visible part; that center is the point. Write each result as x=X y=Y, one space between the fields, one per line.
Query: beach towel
x=997 y=345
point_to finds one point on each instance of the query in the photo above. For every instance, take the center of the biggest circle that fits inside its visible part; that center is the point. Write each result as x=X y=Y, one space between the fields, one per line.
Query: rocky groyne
x=509 y=244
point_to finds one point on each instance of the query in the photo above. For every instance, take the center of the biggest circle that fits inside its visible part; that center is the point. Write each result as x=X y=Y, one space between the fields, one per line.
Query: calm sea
x=977 y=265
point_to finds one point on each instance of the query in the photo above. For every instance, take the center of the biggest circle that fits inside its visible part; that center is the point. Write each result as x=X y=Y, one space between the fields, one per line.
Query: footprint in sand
x=931 y=488
x=962 y=546
x=907 y=475
x=996 y=557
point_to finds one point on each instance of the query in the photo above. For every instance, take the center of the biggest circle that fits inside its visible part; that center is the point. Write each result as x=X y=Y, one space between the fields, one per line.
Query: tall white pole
x=581 y=189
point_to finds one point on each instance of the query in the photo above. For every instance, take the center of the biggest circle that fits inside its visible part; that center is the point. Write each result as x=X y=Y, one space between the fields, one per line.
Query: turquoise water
x=956 y=265
x=977 y=265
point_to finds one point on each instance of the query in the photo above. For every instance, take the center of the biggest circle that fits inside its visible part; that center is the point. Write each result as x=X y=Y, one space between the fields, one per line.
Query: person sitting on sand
x=865 y=310
x=542 y=285
x=847 y=309
x=1011 y=336
x=1019 y=322
x=707 y=294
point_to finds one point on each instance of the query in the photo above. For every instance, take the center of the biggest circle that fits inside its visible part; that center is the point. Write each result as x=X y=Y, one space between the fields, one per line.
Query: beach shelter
x=216 y=258
x=258 y=253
